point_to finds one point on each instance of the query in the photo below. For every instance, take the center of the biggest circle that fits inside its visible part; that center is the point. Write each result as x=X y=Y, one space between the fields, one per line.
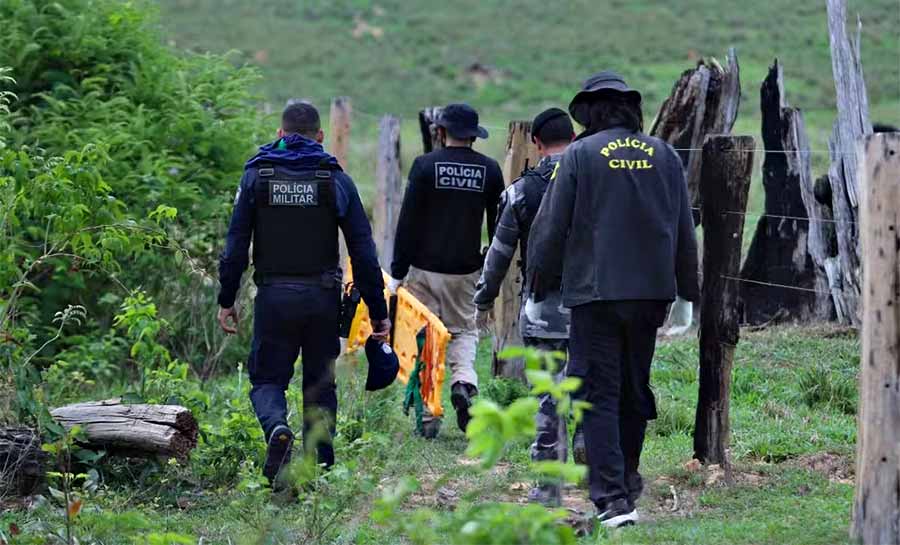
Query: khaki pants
x=450 y=296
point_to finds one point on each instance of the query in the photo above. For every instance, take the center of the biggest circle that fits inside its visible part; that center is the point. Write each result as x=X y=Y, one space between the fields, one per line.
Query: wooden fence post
x=427 y=117
x=724 y=188
x=779 y=254
x=339 y=133
x=388 y=188
x=876 y=510
x=520 y=152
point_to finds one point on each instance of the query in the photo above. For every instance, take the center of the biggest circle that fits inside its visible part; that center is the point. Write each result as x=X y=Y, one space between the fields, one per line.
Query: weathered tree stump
x=167 y=430
x=876 y=510
x=778 y=254
x=704 y=101
x=842 y=268
x=520 y=153
x=430 y=140
x=21 y=461
x=724 y=189
x=388 y=189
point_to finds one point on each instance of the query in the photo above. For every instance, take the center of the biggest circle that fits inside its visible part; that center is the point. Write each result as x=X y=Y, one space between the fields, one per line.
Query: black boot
x=461 y=395
x=278 y=453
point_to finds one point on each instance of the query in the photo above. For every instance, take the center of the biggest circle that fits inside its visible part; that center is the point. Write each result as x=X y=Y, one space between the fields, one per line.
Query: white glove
x=484 y=317
x=393 y=284
x=681 y=316
x=533 y=311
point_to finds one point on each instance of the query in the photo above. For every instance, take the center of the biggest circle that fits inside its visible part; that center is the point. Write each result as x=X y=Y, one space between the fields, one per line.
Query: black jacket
x=616 y=223
x=448 y=194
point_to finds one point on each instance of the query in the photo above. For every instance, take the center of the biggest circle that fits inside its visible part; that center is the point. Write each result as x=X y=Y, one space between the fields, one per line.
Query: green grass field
x=511 y=59
x=793 y=436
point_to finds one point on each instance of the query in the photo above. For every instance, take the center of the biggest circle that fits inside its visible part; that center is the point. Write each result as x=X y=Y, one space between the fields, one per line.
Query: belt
x=327 y=279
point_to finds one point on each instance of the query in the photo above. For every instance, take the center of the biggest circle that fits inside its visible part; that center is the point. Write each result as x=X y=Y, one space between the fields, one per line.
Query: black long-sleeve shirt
x=439 y=230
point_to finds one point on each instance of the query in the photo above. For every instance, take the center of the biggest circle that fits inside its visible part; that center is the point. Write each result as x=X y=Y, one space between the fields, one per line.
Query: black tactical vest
x=532 y=186
x=296 y=226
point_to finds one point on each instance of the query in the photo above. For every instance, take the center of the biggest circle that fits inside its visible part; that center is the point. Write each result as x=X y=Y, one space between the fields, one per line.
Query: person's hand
x=393 y=284
x=224 y=315
x=484 y=317
x=533 y=312
x=681 y=316
x=381 y=330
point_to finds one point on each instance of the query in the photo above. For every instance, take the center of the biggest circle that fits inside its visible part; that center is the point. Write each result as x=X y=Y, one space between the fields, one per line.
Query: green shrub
x=503 y=390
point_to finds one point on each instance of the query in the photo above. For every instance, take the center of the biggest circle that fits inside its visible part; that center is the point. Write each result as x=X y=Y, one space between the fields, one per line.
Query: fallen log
x=166 y=430
x=21 y=461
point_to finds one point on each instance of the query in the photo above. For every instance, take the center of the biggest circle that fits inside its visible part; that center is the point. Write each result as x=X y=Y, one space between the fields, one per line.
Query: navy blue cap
x=461 y=121
x=383 y=364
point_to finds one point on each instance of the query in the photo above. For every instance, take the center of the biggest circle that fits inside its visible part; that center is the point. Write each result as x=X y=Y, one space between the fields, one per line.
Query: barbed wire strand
x=773 y=285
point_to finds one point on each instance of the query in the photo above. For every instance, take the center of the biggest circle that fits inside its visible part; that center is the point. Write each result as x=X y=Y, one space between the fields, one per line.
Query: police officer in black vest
x=620 y=232
x=291 y=202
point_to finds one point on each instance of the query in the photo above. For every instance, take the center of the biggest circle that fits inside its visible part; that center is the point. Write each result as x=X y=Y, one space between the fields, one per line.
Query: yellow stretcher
x=411 y=317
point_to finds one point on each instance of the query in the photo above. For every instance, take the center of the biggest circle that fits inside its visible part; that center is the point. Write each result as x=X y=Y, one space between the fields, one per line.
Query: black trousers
x=611 y=348
x=288 y=319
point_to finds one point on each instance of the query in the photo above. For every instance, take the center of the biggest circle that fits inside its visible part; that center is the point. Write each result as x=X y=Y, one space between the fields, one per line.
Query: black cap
x=601 y=82
x=383 y=364
x=542 y=119
x=461 y=121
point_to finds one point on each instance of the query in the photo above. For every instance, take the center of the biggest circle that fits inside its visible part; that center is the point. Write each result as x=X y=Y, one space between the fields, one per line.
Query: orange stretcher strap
x=411 y=317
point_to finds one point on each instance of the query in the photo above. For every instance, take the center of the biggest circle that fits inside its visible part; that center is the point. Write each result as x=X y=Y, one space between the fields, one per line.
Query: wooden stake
x=779 y=252
x=724 y=188
x=388 y=188
x=339 y=133
x=520 y=152
x=430 y=140
x=876 y=510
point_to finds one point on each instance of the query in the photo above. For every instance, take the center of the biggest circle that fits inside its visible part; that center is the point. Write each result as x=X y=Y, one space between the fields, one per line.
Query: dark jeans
x=288 y=319
x=611 y=347
x=551 y=441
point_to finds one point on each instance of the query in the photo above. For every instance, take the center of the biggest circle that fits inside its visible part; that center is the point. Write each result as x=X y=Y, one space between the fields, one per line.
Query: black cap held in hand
x=383 y=364
x=461 y=121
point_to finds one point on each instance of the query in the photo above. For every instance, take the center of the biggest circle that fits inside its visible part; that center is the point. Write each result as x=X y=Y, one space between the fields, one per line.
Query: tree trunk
x=704 y=101
x=430 y=140
x=724 y=188
x=842 y=268
x=778 y=254
x=388 y=189
x=21 y=462
x=168 y=430
x=876 y=510
x=520 y=153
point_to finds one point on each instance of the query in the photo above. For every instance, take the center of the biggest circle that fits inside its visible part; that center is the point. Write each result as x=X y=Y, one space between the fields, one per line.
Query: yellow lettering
x=604 y=152
x=650 y=152
x=615 y=163
x=613 y=146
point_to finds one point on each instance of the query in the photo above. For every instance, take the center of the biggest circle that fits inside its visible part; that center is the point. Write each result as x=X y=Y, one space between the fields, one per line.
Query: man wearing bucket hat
x=437 y=249
x=617 y=225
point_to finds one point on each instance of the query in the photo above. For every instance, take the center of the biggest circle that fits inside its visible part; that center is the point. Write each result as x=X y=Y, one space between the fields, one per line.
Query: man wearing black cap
x=619 y=230
x=292 y=201
x=545 y=325
x=438 y=242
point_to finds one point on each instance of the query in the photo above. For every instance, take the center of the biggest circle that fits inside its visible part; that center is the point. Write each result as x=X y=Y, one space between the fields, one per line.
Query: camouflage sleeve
x=501 y=252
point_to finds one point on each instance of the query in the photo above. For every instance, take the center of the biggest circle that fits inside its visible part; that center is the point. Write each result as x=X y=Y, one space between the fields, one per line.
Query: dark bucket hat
x=461 y=121
x=601 y=82
x=383 y=365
